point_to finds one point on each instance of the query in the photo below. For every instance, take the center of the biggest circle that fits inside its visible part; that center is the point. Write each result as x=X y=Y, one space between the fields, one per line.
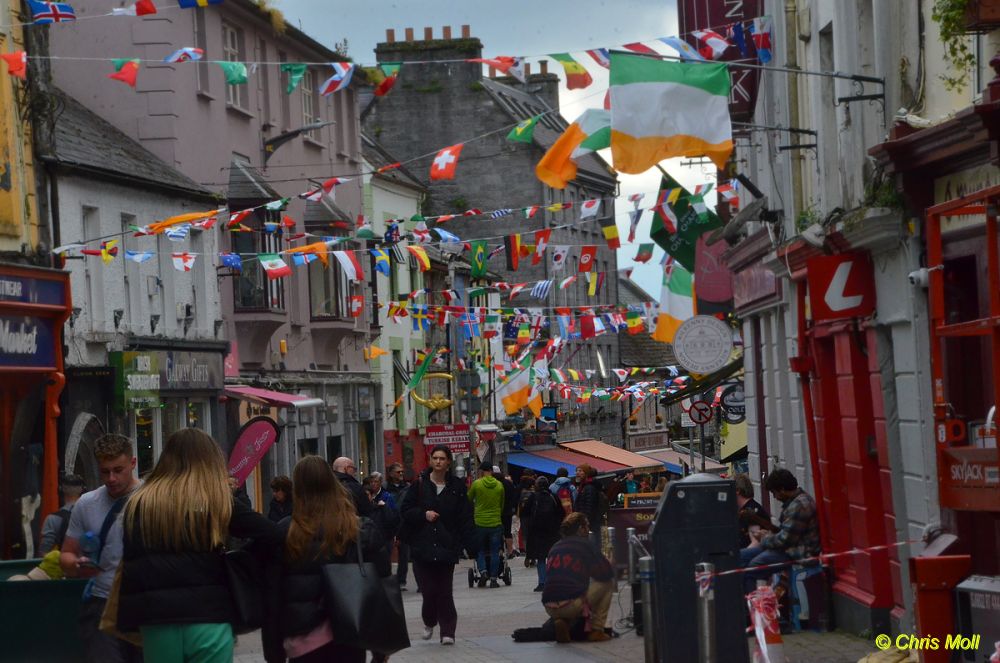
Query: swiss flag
x=357 y=305
x=443 y=166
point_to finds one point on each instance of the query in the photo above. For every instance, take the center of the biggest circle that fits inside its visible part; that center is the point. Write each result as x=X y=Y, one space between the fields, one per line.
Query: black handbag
x=243 y=575
x=365 y=609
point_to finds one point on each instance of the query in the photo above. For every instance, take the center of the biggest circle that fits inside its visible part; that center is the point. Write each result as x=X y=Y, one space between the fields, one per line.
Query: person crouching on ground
x=578 y=577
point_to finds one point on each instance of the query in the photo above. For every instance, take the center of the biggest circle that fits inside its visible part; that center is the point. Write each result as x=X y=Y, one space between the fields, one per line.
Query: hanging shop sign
x=453 y=436
x=27 y=342
x=755 y=284
x=841 y=286
x=703 y=344
x=644 y=441
x=32 y=305
x=142 y=375
x=734 y=407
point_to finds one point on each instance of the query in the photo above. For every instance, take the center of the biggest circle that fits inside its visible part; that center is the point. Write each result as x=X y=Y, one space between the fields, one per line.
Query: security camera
x=920 y=277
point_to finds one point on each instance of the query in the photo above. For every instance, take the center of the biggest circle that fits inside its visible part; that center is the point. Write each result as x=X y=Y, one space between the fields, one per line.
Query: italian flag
x=667 y=109
x=676 y=302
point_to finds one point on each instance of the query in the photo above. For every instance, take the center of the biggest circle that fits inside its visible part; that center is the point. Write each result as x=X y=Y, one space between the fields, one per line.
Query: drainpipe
x=758 y=378
x=803 y=365
x=792 y=62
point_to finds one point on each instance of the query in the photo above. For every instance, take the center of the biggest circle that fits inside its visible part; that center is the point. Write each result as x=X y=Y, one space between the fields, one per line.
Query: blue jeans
x=491 y=537
x=540 y=567
x=759 y=557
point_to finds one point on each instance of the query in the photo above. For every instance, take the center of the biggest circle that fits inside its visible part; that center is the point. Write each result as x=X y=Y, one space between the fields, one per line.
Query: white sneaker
x=428 y=632
x=447 y=641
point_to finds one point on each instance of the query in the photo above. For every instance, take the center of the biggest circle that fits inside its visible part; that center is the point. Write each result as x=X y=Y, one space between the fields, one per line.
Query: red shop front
x=963 y=257
x=845 y=424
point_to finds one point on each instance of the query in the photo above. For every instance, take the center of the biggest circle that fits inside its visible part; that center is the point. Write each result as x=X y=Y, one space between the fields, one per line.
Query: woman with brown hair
x=323 y=529
x=174 y=587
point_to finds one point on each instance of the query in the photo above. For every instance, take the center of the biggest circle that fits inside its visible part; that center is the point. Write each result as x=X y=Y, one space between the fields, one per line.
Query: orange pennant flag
x=318 y=249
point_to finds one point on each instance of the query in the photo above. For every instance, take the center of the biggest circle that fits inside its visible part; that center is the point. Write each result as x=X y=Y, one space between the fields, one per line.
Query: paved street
x=487 y=617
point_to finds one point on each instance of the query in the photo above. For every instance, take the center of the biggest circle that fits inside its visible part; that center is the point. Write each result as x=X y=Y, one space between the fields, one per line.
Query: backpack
x=565 y=496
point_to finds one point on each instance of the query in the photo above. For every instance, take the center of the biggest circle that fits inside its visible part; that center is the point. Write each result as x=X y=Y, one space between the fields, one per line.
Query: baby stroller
x=503 y=573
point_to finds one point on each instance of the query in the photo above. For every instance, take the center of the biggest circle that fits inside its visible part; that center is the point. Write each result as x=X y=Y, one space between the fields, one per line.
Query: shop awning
x=570 y=460
x=273 y=398
x=675 y=461
x=600 y=450
x=533 y=462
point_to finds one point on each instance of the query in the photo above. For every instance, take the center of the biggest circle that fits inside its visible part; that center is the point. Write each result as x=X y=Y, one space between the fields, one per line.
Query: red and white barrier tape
x=817 y=558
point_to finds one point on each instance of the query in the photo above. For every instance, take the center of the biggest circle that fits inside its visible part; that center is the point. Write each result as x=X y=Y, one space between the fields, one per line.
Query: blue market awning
x=532 y=462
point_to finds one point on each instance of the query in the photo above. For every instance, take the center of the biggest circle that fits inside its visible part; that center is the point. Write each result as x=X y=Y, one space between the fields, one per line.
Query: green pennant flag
x=678 y=228
x=390 y=68
x=121 y=62
x=236 y=72
x=524 y=131
x=418 y=375
x=295 y=73
x=277 y=205
x=478 y=262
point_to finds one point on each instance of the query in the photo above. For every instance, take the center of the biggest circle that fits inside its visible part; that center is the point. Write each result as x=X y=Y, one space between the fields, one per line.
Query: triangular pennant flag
x=524 y=131
x=17 y=63
x=126 y=71
x=186 y=54
x=236 y=72
x=343 y=72
x=295 y=71
x=183 y=262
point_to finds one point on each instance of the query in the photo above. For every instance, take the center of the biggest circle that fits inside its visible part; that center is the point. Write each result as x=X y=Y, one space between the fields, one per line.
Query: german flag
x=512 y=247
x=610 y=230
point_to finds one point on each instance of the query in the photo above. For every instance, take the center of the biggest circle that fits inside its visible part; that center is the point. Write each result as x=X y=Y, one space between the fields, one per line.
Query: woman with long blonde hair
x=174 y=587
x=323 y=529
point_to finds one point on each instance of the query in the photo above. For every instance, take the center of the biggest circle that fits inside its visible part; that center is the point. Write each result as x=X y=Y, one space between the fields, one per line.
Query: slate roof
x=83 y=141
x=246 y=183
x=640 y=349
x=323 y=212
x=520 y=105
x=377 y=156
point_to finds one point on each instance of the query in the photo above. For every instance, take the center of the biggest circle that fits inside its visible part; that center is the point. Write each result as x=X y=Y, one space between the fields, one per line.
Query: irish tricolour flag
x=668 y=109
x=676 y=302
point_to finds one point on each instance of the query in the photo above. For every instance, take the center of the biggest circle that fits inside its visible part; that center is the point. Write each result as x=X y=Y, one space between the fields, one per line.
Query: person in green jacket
x=487 y=497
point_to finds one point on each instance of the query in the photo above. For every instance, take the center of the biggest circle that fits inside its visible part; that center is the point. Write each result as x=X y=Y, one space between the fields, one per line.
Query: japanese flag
x=589 y=208
x=443 y=166
x=559 y=254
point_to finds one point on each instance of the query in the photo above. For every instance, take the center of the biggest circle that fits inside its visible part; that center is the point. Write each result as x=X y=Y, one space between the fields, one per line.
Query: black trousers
x=436 y=581
x=403 y=562
x=100 y=647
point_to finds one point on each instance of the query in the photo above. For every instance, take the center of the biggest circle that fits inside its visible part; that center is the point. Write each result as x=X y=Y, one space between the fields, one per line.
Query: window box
x=982 y=15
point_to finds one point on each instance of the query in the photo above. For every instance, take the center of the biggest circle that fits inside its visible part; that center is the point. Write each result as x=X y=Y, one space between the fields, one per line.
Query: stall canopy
x=273 y=398
x=570 y=460
x=674 y=461
x=534 y=462
x=600 y=450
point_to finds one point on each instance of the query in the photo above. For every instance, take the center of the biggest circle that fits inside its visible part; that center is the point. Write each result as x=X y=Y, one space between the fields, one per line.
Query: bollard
x=633 y=580
x=611 y=545
x=703 y=573
x=646 y=577
x=629 y=533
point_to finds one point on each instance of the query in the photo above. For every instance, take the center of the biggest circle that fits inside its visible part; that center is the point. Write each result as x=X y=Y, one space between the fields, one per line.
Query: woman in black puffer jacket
x=174 y=587
x=437 y=524
x=323 y=529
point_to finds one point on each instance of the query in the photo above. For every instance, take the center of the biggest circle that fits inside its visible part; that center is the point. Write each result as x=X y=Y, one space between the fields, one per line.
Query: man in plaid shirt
x=797 y=535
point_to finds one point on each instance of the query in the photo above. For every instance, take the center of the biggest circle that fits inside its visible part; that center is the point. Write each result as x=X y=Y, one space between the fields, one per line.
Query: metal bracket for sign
x=860 y=95
x=802 y=146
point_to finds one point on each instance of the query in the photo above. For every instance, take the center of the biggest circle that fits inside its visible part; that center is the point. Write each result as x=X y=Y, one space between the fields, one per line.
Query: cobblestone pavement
x=487 y=617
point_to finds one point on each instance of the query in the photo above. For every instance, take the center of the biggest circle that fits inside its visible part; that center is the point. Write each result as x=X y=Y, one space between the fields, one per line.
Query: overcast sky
x=520 y=28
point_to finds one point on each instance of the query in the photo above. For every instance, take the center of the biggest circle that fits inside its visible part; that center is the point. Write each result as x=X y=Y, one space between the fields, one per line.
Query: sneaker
x=493 y=583
x=598 y=636
x=447 y=641
x=539 y=588
x=562 y=631
x=428 y=632
x=482 y=581
x=527 y=563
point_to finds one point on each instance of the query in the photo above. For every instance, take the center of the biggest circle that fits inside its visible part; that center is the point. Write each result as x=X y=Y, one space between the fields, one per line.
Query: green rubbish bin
x=38 y=617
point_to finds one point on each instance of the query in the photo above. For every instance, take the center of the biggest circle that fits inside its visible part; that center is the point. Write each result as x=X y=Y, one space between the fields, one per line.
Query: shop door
x=856 y=504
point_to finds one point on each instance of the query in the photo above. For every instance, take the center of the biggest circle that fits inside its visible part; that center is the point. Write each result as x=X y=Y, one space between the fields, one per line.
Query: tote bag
x=365 y=609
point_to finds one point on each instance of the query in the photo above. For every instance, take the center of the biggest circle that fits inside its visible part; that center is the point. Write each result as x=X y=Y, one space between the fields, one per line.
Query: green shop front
x=157 y=392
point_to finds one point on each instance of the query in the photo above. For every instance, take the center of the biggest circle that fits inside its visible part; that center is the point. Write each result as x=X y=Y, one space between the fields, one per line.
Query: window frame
x=237 y=96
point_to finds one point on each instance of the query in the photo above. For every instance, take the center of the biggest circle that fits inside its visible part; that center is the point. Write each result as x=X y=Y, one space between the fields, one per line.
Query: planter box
x=982 y=15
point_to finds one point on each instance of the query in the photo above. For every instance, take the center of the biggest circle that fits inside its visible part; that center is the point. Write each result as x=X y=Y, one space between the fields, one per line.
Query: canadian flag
x=589 y=208
x=183 y=262
x=587 y=255
x=443 y=166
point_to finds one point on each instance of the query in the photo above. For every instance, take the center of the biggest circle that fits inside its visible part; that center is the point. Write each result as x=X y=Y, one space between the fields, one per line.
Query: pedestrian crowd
x=180 y=564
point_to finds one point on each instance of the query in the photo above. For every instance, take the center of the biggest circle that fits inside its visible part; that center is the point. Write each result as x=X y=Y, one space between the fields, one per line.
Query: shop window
x=199 y=415
x=334 y=447
x=200 y=41
x=286 y=104
x=308 y=446
x=310 y=106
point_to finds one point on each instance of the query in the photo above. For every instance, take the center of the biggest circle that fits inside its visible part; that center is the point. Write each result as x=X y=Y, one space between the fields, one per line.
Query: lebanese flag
x=352 y=268
x=357 y=305
x=17 y=63
x=541 y=242
x=443 y=166
x=587 y=255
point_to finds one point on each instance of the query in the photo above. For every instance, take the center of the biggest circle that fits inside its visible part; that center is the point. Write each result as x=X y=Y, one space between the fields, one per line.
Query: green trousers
x=187 y=643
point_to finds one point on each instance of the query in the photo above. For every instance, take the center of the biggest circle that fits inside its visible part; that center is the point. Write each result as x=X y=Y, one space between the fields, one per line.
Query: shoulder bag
x=243 y=575
x=365 y=609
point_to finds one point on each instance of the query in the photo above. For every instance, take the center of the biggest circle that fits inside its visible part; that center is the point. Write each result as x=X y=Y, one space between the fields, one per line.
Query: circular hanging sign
x=703 y=344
